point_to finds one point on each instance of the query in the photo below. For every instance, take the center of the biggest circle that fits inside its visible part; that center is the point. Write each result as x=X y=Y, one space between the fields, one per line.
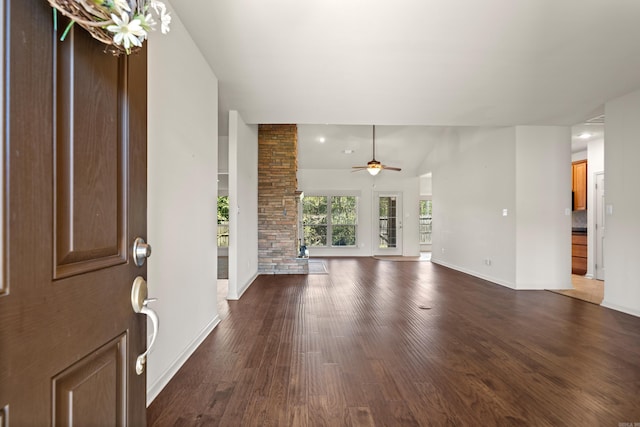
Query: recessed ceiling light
x=584 y=135
x=321 y=139
x=348 y=151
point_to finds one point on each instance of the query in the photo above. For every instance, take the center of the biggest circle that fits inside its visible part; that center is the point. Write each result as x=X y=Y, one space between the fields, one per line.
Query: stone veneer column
x=277 y=201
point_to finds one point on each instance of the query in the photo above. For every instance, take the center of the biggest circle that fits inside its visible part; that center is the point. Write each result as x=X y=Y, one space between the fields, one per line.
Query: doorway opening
x=588 y=228
x=223 y=247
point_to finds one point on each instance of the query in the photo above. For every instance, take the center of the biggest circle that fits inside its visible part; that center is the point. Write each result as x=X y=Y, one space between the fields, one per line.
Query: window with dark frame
x=330 y=221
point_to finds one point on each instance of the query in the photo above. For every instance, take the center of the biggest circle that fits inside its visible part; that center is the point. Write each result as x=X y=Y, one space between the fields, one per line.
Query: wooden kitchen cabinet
x=579 y=253
x=579 y=185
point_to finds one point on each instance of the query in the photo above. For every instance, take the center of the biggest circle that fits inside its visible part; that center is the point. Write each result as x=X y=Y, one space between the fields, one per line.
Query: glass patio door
x=388 y=227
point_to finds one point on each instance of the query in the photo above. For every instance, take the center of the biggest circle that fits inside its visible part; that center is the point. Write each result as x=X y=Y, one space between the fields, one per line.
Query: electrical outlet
x=487 y=261
x=442 y=250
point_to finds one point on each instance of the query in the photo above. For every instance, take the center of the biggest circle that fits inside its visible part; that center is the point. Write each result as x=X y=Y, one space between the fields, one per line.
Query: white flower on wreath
x=161 y=10
x=165 y=20
x=122 y=5
x=148 y=23
x=127 y=33
x=130 y=21
x=158 y=7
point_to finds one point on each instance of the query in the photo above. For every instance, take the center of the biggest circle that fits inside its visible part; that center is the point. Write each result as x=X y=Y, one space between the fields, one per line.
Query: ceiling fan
x=374 y=166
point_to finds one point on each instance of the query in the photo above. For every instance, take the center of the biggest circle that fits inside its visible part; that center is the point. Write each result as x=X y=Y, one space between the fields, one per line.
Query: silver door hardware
x=139 y=302
x=141 y=251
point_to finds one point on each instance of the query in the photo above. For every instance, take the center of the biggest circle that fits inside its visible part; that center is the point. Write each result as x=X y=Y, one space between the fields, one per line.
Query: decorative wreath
x=123 y=25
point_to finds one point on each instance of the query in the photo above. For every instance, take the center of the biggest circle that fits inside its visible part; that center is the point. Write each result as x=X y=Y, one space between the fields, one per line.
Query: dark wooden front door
x=74 y=200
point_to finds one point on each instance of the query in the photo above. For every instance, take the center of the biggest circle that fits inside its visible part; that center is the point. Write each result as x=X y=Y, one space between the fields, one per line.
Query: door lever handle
x=139 y=302
x=141 y=361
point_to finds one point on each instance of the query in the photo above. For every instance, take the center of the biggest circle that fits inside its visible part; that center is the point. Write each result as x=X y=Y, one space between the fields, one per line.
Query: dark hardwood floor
x=353 y=348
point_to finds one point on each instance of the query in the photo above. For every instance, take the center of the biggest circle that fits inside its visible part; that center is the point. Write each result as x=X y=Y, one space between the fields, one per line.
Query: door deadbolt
x=141 y=251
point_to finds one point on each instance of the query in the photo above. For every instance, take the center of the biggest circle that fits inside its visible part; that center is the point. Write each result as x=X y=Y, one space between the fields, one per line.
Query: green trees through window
x=425 y=222
x=344 y=217
x=314 y=220
x=223 y=221
x=331 y=219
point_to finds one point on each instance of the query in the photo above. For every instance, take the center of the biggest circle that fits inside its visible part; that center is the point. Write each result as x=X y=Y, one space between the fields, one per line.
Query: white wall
x=580 y=155
x=411 y=214
x=474 y=179
x=543 y=207
x=621 y=248
x=223 y=165
x=337 y=182
x=480 y=172
x=426 y=185
x=243 y=205
x=595 y=165
x=182 y=171
x=223 y=154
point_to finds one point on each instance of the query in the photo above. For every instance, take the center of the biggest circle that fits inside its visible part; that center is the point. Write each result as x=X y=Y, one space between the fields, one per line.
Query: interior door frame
x=3 y=290
x=599 y=227
x=375 y=215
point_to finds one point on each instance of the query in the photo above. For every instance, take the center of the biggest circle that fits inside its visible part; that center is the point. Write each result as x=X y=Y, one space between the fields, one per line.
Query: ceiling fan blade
x=359 y=167
x=391 y=168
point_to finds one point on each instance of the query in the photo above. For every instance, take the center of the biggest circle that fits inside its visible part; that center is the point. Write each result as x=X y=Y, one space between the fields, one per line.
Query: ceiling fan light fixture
x=374 y=169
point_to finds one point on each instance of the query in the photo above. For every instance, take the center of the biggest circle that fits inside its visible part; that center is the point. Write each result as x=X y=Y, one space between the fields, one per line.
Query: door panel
x=90 y=200
x=388 y=232
x=74 y=201
x=94 y=388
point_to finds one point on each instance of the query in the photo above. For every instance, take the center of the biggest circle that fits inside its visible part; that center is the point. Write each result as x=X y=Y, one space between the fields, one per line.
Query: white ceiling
x=582 y=133
x=417 y=62
x=323 y=146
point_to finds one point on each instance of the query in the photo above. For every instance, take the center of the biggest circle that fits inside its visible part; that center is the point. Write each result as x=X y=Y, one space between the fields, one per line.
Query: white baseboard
x=566 y=287
x=243 y=289
x=154 y=390
x=474 y=273
x=507 y=284
x=627 y=310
